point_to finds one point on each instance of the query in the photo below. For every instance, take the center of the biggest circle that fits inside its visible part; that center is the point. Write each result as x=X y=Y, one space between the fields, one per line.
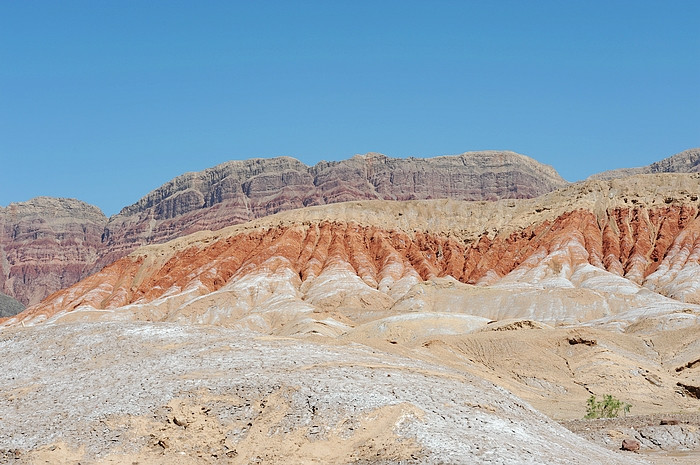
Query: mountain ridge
x=240 y=190
x=427 y=314
x=687 y=161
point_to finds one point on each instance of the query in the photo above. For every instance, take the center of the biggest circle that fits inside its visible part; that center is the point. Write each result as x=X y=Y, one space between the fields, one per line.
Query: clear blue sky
x=105 y=101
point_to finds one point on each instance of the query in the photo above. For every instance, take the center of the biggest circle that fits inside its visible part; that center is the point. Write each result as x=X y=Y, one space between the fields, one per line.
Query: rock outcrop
x=47 y=244
x=687 y=161
x=240 y=191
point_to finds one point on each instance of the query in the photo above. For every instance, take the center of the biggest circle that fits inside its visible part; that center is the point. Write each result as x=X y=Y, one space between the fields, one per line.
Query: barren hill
x=375 y=332
x=48 y=244
x=687 y=161
x=158 y=393
x=640 y=231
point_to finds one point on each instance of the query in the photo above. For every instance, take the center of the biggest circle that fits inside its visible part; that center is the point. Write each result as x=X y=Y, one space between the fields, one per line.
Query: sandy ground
x=665 y=439
x=146 y=393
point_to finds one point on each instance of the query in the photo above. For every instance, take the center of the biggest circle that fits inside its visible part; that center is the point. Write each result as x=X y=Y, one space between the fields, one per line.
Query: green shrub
x=609 y=407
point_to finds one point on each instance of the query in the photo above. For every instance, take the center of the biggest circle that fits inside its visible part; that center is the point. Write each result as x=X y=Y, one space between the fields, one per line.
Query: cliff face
x=582 y=253
x=47 y=244
x=687 y=161
x=239 y=191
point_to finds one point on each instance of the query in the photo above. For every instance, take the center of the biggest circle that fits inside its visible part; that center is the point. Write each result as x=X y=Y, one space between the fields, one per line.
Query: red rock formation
x=66 y=248
x=627 y=241
x=239 y=191
x=47 y=244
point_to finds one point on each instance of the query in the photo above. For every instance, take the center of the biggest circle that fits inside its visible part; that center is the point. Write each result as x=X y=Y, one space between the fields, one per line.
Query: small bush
x=609 y=407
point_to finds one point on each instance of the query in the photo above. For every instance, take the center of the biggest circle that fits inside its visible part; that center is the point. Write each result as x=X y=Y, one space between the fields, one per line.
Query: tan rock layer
x=628 y=241
x=49 y=244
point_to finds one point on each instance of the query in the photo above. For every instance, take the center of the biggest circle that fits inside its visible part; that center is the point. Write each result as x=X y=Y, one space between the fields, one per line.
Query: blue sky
x=105 y=101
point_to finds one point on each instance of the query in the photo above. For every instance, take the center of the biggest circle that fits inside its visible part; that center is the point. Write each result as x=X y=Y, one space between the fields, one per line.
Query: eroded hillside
x=587 y=290
x=49 y=244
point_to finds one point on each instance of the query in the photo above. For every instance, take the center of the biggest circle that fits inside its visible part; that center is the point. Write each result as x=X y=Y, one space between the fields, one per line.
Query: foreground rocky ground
x=377 y=332
x=143 y=393
x=664 y=439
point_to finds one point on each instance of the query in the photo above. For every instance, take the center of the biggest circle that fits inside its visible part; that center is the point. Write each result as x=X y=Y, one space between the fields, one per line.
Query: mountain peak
x=687 y=161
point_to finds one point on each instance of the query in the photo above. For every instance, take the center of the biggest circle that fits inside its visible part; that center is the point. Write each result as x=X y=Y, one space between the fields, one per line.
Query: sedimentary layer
x=687 y=161
x=48 y=244
x=631 y=237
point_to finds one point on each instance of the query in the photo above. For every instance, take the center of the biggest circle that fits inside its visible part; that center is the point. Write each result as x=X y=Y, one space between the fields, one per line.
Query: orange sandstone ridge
x=646 y=234
x=49 y=244
x=376 y=331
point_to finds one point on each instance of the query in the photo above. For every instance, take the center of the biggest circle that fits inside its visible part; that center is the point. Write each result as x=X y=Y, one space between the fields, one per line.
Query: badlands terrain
x=49 y=244
x=390 y=328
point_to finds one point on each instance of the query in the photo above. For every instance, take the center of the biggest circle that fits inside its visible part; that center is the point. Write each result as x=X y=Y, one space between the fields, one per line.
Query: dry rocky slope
x=590 y=289
x=159 y=393
x=240 y=191
x=687 y=161
x=48 y=244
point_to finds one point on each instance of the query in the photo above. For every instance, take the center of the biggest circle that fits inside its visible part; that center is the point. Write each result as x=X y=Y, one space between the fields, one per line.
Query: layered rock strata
x=240 y=191
x=47 y=244
x=687 y=161
x=633 y=234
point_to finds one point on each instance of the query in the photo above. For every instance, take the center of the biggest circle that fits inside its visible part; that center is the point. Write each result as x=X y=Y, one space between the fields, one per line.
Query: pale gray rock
x=83 y=384
x=687 y=161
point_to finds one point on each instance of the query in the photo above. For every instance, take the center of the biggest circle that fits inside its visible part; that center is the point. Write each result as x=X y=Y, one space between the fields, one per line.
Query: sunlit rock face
x=47 y=244
x=593 y=251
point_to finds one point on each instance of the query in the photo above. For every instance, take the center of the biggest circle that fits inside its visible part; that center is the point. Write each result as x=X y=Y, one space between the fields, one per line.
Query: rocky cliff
x=239 y=191
x=47 y=244
x=687 y=161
